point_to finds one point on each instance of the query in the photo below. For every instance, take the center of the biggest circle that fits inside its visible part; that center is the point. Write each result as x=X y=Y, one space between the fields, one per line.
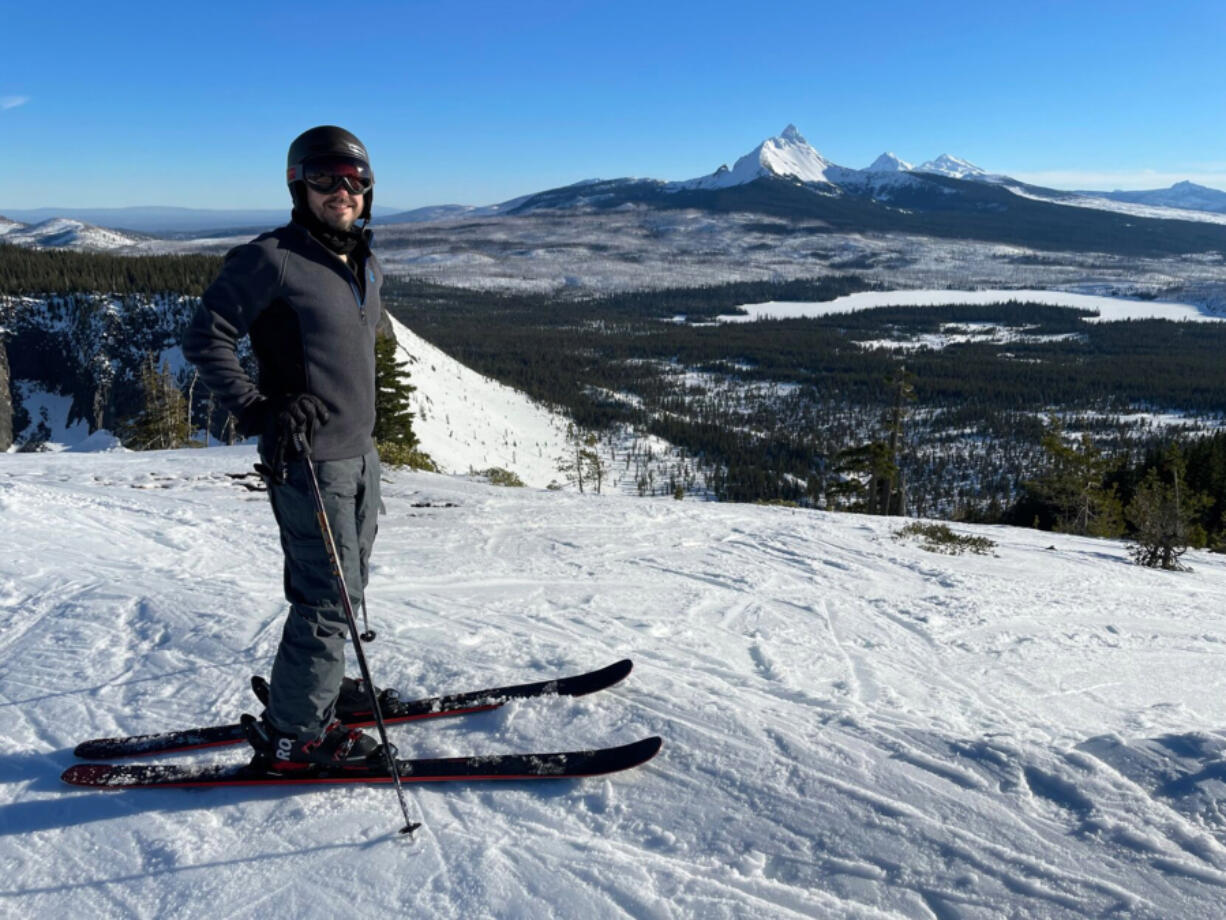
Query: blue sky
x=109 y=105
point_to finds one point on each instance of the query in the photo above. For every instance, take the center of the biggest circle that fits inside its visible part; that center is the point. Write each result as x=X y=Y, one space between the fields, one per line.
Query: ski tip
x=89 y=750
x=85 y=774
x=650 y=747
x=620 y=669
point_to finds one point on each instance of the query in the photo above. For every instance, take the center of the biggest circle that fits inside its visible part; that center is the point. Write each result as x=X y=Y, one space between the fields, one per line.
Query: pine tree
x=162 y=424
x=891 y=498
x=1073 y=485
x=393 y=418
x=1164 y=511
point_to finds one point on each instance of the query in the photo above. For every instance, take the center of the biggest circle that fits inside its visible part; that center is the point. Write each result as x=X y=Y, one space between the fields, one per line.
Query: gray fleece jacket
x=312 y=326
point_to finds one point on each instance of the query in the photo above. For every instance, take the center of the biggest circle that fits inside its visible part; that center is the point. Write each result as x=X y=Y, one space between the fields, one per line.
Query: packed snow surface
x=1109 y=309
x=854 y=727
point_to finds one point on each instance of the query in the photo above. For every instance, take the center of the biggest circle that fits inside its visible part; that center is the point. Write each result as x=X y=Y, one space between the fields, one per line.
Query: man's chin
x=339 y=223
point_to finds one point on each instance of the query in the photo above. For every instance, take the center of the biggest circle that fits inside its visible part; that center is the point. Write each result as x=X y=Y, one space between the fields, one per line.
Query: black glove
x=302 y=414
x=284 y=417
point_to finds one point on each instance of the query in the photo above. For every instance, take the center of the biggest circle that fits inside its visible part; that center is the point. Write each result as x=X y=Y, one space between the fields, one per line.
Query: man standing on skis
x=308 y=296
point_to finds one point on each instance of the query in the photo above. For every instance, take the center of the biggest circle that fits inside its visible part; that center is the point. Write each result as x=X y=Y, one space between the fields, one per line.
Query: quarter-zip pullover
x=312 y=325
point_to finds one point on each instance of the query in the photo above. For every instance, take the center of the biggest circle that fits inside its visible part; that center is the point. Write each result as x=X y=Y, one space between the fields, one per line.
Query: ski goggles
x=326 y=174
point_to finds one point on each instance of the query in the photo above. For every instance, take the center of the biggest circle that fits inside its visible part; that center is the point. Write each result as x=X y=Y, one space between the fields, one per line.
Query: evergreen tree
x=1073 y=486
x=1163 y=510
x=891 y=497
x=863 y=475
x=162 y=423
x=393 y=418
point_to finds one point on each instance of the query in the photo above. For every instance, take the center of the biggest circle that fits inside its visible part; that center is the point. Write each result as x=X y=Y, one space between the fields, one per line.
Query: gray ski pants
x=310 y=662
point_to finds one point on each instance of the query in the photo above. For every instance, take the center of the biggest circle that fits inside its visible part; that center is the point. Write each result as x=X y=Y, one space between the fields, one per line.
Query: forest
x=778 y=409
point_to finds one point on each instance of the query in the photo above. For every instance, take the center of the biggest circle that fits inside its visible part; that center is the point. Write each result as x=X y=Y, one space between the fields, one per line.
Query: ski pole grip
x=301 y=442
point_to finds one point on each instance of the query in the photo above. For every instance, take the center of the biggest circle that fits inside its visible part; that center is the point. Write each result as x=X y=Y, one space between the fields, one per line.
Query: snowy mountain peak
x=954 y=167
x=786 y=154
x=889 y=162
x=789 y=154
x=790 y=133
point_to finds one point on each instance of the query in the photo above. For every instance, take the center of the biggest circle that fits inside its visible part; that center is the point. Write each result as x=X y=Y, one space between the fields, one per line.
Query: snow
x=1109 y=309
x=954 y=167
x=52 y=410
x=63 y=232
x=854 y=727
x=889 y=163
x=1134 y=209
x=466 y=421
x=787 y=154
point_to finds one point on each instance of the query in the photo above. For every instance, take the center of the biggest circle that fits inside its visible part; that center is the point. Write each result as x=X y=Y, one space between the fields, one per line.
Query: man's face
x=338 y=209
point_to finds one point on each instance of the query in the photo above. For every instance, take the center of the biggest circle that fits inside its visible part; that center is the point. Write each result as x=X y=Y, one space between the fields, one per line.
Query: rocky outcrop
x=6 y=401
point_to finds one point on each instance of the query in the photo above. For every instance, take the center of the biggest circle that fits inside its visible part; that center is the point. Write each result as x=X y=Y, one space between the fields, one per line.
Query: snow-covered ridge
x=66 y=233
x=954 y=167
x=854 y=727
x=1182 y=195
x=1092 y=201
x=889 y=163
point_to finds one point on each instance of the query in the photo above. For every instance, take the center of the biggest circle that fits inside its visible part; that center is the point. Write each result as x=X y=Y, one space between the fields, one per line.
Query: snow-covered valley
x=854 y=726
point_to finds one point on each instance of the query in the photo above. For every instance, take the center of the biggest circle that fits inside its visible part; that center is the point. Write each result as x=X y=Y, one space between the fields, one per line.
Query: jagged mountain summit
x=787 y=154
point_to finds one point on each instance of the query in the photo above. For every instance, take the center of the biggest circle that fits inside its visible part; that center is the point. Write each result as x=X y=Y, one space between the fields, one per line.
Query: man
x=308 y=296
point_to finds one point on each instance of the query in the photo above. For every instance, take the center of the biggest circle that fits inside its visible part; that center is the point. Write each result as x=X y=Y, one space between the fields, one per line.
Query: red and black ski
x=559 y=765
x=455 y=704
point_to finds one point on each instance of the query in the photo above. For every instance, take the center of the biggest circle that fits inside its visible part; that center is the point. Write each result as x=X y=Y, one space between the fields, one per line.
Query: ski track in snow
x=853 y=727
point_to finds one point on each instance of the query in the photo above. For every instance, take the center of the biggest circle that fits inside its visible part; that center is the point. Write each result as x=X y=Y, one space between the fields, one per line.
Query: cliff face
x=6 y=401
x=89 y=347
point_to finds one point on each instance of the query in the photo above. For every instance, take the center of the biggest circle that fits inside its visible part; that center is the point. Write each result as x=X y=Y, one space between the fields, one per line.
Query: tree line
x=25 y=270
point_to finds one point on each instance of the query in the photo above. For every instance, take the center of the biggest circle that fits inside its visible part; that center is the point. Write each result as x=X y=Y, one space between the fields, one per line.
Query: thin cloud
x=11 y=102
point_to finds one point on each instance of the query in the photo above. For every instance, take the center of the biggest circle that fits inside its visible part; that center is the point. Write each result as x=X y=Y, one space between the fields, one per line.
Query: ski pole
x=325 y=530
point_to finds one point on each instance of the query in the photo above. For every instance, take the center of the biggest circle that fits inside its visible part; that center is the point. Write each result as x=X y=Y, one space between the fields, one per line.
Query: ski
x=559 y=765
x=394 y=711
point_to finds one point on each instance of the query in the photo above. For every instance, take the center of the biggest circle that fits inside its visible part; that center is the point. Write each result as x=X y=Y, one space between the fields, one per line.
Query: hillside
x=854 y=727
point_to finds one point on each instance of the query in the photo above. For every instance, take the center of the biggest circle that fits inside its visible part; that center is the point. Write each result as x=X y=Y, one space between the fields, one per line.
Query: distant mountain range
x=1186 y=195
x=784 y=176
x=164 y=221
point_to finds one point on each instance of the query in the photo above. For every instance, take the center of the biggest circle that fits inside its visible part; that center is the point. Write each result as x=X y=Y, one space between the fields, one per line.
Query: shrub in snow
x=938 y=538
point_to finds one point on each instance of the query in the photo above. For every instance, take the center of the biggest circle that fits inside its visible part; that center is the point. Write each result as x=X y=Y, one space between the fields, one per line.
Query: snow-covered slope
x=66 y=233
x=1094 y=201
x=1183 y=195
x=8 y=226
x=465 y=421
x=854 y=727
x=956 y=168
x=889 y=163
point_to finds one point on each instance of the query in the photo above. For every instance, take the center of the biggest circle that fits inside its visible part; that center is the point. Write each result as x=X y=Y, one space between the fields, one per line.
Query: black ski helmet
x=324 y=141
